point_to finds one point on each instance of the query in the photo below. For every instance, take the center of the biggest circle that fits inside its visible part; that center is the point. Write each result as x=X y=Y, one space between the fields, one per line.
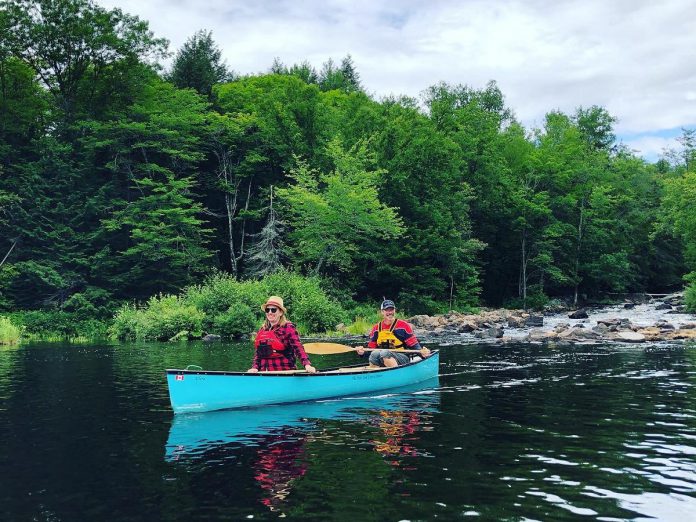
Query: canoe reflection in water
x=281 y=433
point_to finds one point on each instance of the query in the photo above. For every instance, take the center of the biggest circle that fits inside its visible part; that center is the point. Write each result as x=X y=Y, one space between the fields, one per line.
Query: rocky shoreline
x=633 y=321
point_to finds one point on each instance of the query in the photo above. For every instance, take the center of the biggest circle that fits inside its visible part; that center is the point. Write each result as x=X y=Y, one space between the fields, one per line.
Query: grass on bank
x=9 y=333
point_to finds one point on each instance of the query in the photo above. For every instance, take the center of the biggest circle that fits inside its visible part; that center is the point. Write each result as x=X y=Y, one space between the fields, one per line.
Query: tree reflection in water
x=398 y=429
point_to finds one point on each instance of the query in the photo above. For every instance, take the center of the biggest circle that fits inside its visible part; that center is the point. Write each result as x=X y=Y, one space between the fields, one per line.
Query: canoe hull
x=197 y=391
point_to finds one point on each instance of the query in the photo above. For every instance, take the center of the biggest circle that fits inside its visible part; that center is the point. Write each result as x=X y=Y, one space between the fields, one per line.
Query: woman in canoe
x=277 y=344
x=390 y=335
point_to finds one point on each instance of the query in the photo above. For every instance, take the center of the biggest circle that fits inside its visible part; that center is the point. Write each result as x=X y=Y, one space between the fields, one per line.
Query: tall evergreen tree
x=351 y=77
x=265 y=255
x=198 y=64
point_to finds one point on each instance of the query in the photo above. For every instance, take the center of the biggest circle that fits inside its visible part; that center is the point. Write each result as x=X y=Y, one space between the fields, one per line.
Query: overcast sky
x=637 y=58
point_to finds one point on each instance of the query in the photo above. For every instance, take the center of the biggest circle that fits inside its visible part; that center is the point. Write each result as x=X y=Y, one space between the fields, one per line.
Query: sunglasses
x=271 y=310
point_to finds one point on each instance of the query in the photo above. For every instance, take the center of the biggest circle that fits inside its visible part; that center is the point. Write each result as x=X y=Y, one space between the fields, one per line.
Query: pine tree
x=197 y=64
x=265 y=255
x=351 y=78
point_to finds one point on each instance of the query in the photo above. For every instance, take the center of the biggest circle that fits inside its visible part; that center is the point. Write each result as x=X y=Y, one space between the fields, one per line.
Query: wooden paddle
x=333 y=348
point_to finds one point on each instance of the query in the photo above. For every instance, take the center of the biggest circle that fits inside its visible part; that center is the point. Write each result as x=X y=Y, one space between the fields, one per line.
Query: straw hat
x=274 y=300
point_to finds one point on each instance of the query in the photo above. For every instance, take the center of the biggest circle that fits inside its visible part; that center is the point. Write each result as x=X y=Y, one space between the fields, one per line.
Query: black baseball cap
x=387 y=303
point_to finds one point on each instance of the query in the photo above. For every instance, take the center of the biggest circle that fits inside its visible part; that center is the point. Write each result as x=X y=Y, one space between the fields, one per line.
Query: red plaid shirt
x=293 y=349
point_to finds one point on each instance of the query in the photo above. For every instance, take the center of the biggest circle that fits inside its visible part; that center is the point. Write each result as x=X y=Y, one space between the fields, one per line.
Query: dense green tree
x=305 y=72
x=473 y=120
x=153 y=224
x=69 y=41
x=198 y=64
x=596 y=126
x=344 y=77
x=336 y=216
x=435 y=262
x=530 y=216
x=679 y=213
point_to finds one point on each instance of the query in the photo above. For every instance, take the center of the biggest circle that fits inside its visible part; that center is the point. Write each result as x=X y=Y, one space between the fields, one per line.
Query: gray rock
x=630 y=337
x=578 y=314
x=534 y=320
x=601 y=328
x=466 y=327
x=211 y=338
x=490 y=333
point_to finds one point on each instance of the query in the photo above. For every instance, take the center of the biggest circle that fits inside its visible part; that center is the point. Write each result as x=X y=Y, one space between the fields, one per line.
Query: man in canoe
x=277 y=344
x=391 y=335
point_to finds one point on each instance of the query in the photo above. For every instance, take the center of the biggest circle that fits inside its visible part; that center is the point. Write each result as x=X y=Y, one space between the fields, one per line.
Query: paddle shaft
x=395 y=350
x=334 y=348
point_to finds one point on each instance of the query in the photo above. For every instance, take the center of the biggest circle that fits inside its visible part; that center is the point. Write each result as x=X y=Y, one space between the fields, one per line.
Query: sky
x=636 y=58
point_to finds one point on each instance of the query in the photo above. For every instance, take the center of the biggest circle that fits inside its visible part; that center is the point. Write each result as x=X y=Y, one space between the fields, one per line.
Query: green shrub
x=230 y=308
x=167 y=316
x=690 y=293
x=126 y=322
x=92 y=303
x=308 y=305
x=219 y=292
x=9 y=333
x=367 y=312
x=535 y=301
x=163 y=318
x=47 y=323
x=59 y=324
x=237 y=321
x=360 y=326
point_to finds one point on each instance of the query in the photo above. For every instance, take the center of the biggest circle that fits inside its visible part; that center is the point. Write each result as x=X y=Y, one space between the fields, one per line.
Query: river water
x=514 y=432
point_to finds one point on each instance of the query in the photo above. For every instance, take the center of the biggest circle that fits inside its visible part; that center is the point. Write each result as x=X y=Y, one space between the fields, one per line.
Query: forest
x=122 y=179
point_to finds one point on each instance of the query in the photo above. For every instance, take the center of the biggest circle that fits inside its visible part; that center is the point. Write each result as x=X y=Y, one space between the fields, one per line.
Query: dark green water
x=507 y=433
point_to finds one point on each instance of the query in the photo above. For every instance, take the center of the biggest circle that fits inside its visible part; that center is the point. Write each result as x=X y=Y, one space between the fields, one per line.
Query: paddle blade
x=327 y=348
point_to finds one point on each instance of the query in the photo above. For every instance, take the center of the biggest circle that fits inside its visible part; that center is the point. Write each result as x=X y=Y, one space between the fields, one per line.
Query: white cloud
x=652 y=148
x=634 y=57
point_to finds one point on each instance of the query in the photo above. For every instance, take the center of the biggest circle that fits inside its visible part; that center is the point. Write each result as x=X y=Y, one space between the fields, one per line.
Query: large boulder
x=630 y=337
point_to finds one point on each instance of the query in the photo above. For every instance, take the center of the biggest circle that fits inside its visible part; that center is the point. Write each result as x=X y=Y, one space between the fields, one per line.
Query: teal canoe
x=200 y=390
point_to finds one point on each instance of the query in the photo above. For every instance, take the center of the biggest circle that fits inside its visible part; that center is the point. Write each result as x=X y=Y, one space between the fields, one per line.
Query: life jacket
x=268 y=345
x=386 y=340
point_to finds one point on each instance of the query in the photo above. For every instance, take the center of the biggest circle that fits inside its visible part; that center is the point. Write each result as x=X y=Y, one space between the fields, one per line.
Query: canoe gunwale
x=327 y=372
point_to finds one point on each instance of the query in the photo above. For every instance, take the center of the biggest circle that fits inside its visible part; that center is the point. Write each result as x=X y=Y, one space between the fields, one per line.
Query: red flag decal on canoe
x=179 y=377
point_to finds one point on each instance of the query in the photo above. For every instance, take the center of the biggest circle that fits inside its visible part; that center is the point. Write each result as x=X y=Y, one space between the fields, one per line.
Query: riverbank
x=633 y=321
